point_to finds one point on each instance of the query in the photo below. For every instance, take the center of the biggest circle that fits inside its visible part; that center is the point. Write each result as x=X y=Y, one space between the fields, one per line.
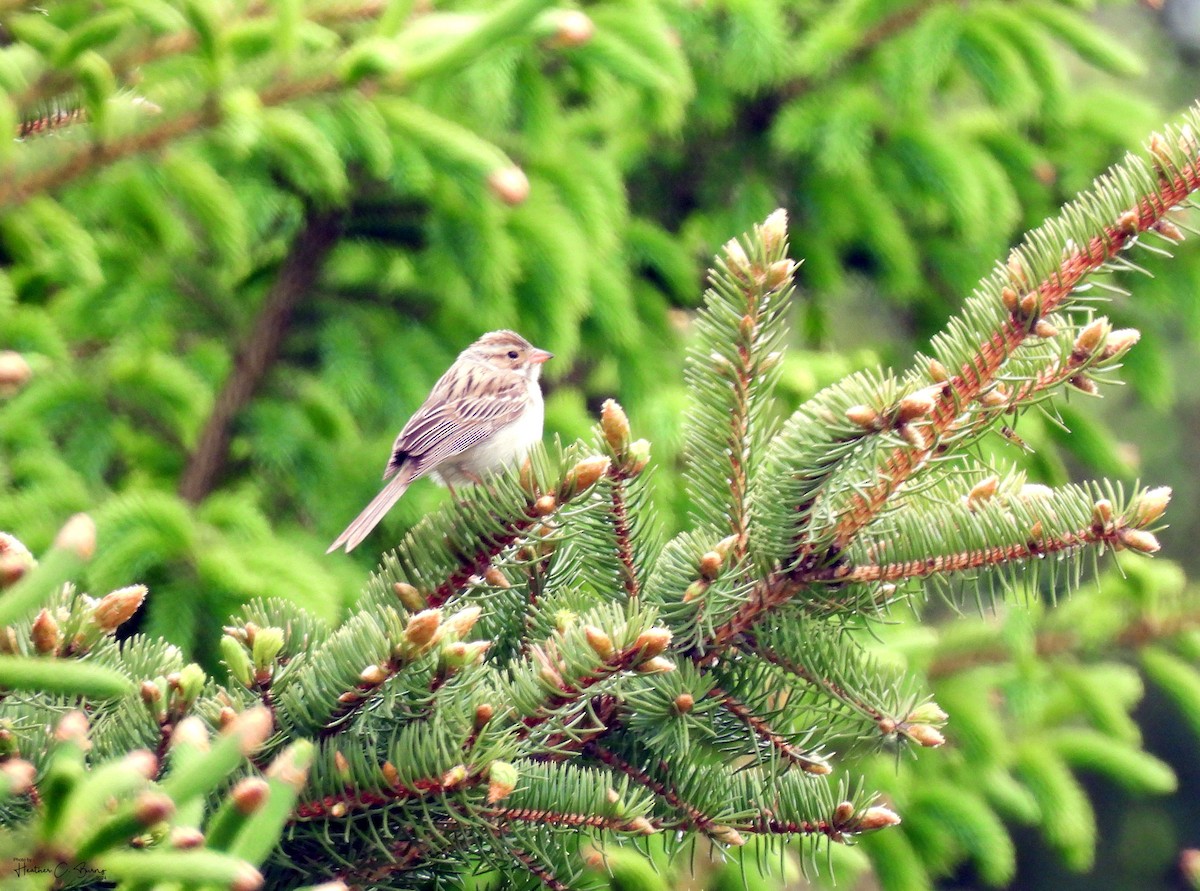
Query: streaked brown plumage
x=482 y=415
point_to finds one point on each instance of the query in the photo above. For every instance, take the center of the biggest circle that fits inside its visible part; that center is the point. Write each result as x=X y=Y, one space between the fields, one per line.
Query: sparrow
x=483 y=415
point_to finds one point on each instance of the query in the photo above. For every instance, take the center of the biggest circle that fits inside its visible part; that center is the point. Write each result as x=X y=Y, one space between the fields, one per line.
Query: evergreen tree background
x=239 y=242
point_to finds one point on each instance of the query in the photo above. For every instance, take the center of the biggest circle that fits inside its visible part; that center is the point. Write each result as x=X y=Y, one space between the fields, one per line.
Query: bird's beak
x=537 y=357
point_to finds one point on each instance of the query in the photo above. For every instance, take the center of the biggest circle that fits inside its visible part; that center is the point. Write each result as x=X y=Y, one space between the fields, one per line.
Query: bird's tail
x=362 y=525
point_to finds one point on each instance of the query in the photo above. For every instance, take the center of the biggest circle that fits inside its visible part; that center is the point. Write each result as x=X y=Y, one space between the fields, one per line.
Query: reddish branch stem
x=623 y=533
x=764 y=731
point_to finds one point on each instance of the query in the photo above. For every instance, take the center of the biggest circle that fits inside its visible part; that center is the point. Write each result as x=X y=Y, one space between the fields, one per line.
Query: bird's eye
x=512 y=354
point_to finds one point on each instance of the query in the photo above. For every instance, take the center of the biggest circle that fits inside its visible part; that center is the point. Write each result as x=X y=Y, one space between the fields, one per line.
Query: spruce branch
x=54 y=81
x=1131 y=199
x=297 y=274
x=1040 y=278
x=460 y=47
x=729 y=377
x=785 y=748
x=690 y=816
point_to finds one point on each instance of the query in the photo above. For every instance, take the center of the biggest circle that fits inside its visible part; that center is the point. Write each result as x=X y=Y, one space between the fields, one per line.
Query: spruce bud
x=926 y=735
x=190 y=683
x=390 y=775
x=725 y=546
x=1084 y=384
x=185 y=838
x=73 y=728
x=252 y=728
x=938 y=372
x=78 y=535
x=484 y=713
x=683 y=703
x=502 y=780
x=843 y=814
x=1031 y=304
x=600 y=642
x=247 y=879
x=982 y=492
x=877 y=818
x=424 y=628
x=409 y=597
x=1119 y=341
x=45 y=633
x=249 y=794
x=496 y=578
x=641 y=826
x=545 y=505
x=726 y=835
x=14 y=372
x=1168 y=230
x=1139 y=540
x=652 y=642
x=18 y=776
x=454 y=777
x=460 y=624
x=585 y=474
x=913 y=406
x=995 y=397
x=373 y=675
x=928 y=713
x=1150 y=505
x=1127 y=223
x=864 y=416
x=1090 y=338
x=509 y=184
x=1016 y=270
x=15 y=560
x=614 y=424
x=1102 y=514
x=237 y=660
x=773 y=231
x=656 y=665
x=735 y=258
x=267 y=644
x=117 y=608
x=151 y=808
x=779 y=274
x=190 y=732
x=151 y=696
x=1010 y=300
x=572 y=28
x=639 y=456
x=710 y=565
x=1044 y=329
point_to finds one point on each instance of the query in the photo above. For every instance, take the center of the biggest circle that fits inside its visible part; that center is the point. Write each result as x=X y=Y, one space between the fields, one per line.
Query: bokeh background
x=240 y=240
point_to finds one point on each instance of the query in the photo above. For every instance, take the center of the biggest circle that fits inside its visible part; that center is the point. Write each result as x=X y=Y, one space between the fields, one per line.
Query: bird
x=483 y=415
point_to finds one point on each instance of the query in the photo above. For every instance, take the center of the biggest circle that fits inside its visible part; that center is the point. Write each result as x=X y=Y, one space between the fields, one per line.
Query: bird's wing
x=456 y=416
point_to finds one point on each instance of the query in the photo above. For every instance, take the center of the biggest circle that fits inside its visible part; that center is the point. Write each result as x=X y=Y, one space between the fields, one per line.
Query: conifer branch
x=538 y=869
x=824 y=684
x=623 y=532
x=1027 y=302
x=692 y=816
x=508 y=531
x=53 y=81
x=50 y=120
x=640 y=826
x=457 y=779
x=793 y=754
x=297 y=274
